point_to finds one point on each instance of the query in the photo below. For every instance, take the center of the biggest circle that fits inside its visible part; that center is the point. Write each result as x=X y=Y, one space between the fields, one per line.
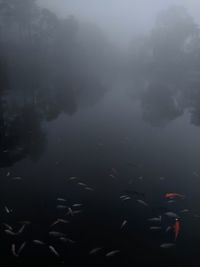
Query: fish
x=142 y=202
x=58 y=221
x=9 y=232
x=167 y=245
x=7 y=210
x=112 y=253
x=77 y=211
x=123 y=224
x=8 y=226
x=53 y=250
x=94 y=251
x=21 y=248
x=66 y=239
x=61 y=199
x=70 y=211
x=25 y=222
x=173 y=195
x=16 y=178
x=171 y=214
x=56 y=234
x=184 y=211
x=140 y=177
x=112 y=175
x=89 y=188
x=123 y=196
x=73 y=178
x=168 y=229
x=38 y=242
x=135 y=193
x=8 y=174
x=13 y=250
x=155 y=219
x=82 y=184
x=126 y=198
x=177 y=228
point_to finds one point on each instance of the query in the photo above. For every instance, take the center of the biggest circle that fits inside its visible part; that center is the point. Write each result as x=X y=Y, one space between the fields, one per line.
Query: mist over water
x=99 y=132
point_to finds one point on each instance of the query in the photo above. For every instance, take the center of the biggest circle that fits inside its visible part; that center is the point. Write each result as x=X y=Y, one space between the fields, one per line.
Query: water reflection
x=165 y=68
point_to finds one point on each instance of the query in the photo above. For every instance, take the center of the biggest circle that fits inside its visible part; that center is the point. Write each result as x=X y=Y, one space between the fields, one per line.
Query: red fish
x=173 y=195
x=177 y=228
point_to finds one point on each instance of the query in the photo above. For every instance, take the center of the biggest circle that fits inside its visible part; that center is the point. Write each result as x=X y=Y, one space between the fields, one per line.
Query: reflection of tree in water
x=21 y=136
x=50 y=71
x=159 y=105
x=168 y=68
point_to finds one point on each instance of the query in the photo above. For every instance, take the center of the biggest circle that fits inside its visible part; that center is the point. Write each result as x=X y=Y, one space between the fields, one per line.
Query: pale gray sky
x=120 y=18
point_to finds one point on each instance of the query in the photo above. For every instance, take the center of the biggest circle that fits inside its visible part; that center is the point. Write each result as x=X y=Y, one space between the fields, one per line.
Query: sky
x=120 y=19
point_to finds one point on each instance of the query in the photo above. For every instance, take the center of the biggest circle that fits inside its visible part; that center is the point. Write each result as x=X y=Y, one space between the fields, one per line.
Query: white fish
x=38 y=242
x=89 y=188
x=167 y=245
x=162 y=178
x=94 y=251
x=112 y=175
x=123 y=196
x=25 y=222
x=58 y=221
x=141 y=178
x=142 y=202
x=168 y=229
x=65 y=240
x=112 y=253
x=126 y=198
x=184 y=211
x=8 y=226
x=123 y=224
x=9 y=232
x=171 y=214
x=72 y=178
x=52 y=249
x=8 y=174
x=7 y=210
x=21 y=248
x=17 y=178
x=171 y=201
x=61 y=199
x=56 y=234
x=82 y=184
x=77 y=211
x=70 y=211
x=155 y=219
x=13 y=250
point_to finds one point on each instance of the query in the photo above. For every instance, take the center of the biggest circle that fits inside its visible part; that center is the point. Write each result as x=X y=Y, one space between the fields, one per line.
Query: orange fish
x=177 y=228
x=173 y=195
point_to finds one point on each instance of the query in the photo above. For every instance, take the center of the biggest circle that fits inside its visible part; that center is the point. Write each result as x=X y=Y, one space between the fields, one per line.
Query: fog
x=100 y=132
x=120 y=19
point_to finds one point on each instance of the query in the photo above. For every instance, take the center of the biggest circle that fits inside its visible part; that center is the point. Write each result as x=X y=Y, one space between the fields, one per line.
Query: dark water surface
x=110 y=137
